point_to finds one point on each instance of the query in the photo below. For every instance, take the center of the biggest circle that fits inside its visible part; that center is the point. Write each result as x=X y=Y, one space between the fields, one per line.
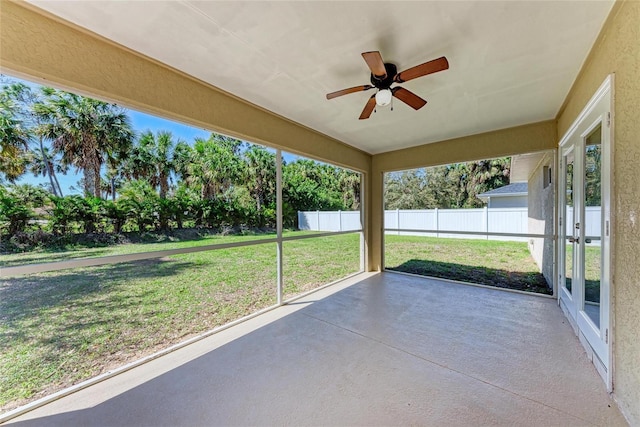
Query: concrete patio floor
x=377 y=349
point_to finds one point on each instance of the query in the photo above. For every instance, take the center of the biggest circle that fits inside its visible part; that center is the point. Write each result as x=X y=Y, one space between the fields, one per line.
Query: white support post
x=363 y=254
x=398 y=220
x=280 y=279
x=437 y=226
x=555 y=178
x=486 y=222
x=339 y=220
x=317 y=221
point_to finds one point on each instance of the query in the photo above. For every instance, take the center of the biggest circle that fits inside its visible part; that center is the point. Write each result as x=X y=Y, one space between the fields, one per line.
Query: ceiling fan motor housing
x=383 y=75
x=385 y=83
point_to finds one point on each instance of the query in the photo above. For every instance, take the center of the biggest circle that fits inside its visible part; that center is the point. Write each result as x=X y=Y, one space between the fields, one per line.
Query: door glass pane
x=592 y=222
x=568 y=215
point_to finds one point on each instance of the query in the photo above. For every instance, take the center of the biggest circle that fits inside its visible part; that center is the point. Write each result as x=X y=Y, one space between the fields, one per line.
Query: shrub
x=94 y=215
x=141 y=204
x=14 y=214
x=23 y=241
x=67 y=212
x=115 y=214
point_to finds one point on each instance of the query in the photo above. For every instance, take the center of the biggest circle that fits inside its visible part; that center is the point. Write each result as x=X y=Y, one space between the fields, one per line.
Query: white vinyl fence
x=484 y=220
x=592 y=221
x=497 y=220
x=329 y=220
x=439 y=221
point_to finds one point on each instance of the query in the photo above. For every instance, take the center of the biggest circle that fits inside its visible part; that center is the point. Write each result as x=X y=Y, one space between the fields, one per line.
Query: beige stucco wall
x=617 y=50
x=505 y=142
x=541 y=206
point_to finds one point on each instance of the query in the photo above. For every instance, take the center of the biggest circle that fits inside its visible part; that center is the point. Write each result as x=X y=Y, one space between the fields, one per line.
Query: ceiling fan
x=383 y=75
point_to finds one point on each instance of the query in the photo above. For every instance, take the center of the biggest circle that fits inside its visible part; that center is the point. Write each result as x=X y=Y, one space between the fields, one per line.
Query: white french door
x=584 y=222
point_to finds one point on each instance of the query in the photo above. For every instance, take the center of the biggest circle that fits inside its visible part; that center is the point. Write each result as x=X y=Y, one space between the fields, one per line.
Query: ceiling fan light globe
x=383 y=97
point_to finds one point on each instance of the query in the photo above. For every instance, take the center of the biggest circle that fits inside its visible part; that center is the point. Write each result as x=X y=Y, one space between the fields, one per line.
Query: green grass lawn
x=59 y=328
x=490 y=262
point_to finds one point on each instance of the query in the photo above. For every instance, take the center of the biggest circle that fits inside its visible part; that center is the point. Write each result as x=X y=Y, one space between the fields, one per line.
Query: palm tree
x=14 y=140
x=260 y=175
x=214 y=166
x=112 y=182
x=23 y=105
x=87 y=133
x=182 y=155
x=140 y=163
x=43 y=164
x=164 y=161
x=155 y=158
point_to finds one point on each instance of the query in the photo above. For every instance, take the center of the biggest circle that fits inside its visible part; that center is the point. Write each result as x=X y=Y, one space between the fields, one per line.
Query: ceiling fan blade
x=348 y=91
x=409 y=98
x=368 y=109
x=376 y=64
x=430 y=67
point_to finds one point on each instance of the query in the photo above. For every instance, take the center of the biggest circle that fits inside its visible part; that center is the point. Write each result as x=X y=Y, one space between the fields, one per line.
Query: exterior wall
x=508 y=202
x=541 y=209
x=617 y=50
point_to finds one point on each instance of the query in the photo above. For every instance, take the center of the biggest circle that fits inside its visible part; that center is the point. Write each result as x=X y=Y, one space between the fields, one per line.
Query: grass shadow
x=49 y=255
x=522 y=281
x=27 y=296
x=135 y=242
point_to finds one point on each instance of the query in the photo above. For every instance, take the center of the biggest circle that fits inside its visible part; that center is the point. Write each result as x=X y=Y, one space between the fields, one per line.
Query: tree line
x=143 y=181
x=453 y=186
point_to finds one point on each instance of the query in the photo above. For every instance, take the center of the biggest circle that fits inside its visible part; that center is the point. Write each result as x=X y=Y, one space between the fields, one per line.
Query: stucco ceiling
x=511 y=62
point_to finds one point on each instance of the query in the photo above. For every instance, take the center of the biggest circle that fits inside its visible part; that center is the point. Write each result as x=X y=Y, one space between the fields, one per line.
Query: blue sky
x=140 y=122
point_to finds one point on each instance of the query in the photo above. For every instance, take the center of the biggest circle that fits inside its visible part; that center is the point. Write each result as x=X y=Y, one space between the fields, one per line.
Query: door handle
x=574 y=240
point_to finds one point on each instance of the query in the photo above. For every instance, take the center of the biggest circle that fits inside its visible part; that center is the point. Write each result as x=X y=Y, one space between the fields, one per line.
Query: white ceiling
x=511 y=62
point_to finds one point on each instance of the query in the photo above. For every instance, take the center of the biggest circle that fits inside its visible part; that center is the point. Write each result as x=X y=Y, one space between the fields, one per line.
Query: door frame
x=567 y=298
x=599 y=110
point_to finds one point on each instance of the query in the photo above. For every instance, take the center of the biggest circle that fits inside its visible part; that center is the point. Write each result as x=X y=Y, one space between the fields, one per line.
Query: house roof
x=523 y=165
x=286 y=56
x=515 y=189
